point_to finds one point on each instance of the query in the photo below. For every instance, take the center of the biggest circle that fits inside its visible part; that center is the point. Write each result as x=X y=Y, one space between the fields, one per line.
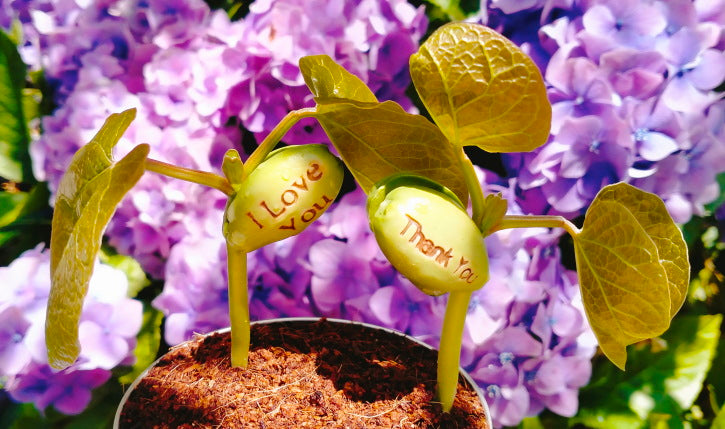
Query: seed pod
x=289 y=190
x=426 y=234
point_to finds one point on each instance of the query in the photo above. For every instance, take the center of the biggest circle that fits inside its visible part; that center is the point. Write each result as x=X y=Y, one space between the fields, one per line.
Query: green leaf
x=481 y=89
x=451 y=8
x=652 y=215
x=11 y=204
x=328 y=80
x=87 y=196
x=719 y=422
x=664 y=380
x=14 y=158
x=24 y=221
x=378 y=140
x=633 y=268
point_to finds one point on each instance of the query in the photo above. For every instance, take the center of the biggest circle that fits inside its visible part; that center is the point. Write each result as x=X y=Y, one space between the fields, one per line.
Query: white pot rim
x=462 y=372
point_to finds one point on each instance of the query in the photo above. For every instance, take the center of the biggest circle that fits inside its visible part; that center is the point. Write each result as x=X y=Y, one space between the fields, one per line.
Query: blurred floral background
x=637 y=93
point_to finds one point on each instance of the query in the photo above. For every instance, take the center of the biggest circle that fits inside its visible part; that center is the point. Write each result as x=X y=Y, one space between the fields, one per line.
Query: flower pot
x=302 y=372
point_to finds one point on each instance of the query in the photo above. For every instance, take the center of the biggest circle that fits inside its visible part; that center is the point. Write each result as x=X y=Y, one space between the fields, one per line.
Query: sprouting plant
x=480 y=90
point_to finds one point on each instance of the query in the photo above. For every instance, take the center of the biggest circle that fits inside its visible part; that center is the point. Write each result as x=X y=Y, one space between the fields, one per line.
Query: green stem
x=275 y=136
x=525 y=221
x=449 y=354
x=238 y=305
x=201 y=177
x=474 y=188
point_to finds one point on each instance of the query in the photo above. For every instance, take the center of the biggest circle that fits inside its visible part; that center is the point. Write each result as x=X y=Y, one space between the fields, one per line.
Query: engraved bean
x=427 y=236
x=285 y=193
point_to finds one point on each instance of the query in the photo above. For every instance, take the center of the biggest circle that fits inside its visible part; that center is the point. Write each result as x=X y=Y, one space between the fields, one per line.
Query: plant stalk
x=195 y=176
x=542 y=221
x=275 y=136
x=474 y=188
x=449 y=354
x=238 y=305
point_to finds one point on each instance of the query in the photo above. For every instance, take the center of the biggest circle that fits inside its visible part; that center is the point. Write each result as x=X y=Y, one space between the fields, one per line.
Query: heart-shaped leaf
x=633 y=268
x=481 y=89
x=378 y=140
x=87 y=196
x=328 y=80
x=652 y=215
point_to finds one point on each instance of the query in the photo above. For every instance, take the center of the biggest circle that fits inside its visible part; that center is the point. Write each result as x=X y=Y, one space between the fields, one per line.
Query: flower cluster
x=107 y=333
x=521 y=326
x=631 y=85
x=195 y=76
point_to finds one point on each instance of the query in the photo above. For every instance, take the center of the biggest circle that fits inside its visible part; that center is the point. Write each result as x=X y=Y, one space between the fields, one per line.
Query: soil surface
x=300 y=375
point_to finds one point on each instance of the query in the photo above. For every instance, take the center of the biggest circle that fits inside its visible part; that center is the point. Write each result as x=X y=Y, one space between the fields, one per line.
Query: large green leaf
x=626 y=253
x=377 y=140
x=652 y=215
x=14 y=158
x=481 y=89
x=328 y=80
x=87 y=195
x=664 y=379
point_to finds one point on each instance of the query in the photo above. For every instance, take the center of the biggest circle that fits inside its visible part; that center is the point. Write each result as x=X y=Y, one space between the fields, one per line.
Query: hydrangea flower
x=195 y=77
x=108 y=327
x=647 y=69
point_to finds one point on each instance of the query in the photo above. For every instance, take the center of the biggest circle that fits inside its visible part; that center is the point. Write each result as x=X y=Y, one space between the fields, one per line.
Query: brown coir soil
x=316 y=374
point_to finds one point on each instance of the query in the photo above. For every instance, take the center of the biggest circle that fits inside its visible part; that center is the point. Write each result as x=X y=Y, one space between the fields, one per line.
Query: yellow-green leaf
x=87 y=196
x=377 y=140
x=631 y=259
x=481 y=89
x=328 y=80
x=652 y=215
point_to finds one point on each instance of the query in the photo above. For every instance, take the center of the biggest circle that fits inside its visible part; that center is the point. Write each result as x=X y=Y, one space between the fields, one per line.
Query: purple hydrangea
x=646 y=69
x=195 y=77
x=107 y=333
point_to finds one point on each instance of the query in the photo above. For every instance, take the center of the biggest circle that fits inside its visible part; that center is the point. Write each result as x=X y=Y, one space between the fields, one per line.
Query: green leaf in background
x=719 y=422
x=663 y=380
x=14 y=158
x=377 y=140
x=481 y=89
x=328 y=80
x=11 y=204
x=24 y=221
x=147 y=343
x=633 y=268
x=87 y=196
x=451 y=9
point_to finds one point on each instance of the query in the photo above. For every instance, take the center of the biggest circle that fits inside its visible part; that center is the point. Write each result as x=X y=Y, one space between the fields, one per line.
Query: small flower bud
x=428 y=236
x=289 y=190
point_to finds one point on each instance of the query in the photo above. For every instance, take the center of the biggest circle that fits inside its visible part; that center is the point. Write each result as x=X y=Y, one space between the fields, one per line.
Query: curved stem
x=449 y=355
x=543 y=221
x=195 y=176
x=238 y=305
x=275 y=136
x=474 y=188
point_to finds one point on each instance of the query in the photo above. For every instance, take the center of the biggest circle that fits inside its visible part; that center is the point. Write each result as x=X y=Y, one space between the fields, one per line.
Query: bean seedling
x=480 y=90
